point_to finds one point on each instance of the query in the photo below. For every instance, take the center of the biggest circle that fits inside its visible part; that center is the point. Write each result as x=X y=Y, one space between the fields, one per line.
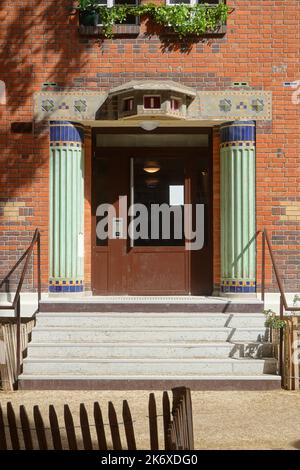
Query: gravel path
x=222 y=420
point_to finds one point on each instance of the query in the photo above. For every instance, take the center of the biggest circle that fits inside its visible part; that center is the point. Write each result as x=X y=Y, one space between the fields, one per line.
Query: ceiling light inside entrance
x=151 y=167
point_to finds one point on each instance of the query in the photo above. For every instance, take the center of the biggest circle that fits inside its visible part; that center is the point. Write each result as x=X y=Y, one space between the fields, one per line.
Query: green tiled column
x=66 y=207
x=238 y=227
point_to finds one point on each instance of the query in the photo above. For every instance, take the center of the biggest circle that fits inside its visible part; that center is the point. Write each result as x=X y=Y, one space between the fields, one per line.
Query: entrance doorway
x=143 y=196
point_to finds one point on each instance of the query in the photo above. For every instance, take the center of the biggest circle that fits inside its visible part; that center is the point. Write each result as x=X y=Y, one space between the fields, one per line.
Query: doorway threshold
x=161 y=304
x=198 y=299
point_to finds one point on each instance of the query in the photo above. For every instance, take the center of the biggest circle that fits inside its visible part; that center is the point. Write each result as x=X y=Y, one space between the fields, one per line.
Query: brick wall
x=39 y=42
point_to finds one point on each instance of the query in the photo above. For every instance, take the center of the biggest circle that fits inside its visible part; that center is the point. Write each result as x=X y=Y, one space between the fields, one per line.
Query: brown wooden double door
x=134 y=252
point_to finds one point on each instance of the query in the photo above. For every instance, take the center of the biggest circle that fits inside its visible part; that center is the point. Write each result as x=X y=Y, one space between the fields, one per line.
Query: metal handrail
x=16 y=306
x=266 y=238
x=283 y=302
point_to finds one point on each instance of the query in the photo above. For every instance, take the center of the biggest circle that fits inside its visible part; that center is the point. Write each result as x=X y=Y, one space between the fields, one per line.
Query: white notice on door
x=176 y=195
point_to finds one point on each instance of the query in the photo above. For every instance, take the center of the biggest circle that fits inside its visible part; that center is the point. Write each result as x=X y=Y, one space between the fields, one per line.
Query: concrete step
x=130 y=350
x=147 y=367
x=157 y=382
x=255 y=350
x=119 y=320
x=147 y=334
x=83 y=350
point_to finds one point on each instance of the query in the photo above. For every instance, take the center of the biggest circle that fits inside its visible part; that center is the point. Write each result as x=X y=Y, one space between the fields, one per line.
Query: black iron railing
x=16 y=304
x=284 y=307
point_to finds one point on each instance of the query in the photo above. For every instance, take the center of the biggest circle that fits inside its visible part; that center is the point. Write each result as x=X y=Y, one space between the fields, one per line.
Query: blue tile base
x=238 y=287
x=66 y=288
x=64 y=285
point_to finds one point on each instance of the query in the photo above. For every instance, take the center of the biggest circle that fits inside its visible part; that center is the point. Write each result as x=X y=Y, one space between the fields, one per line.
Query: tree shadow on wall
x=37 y=46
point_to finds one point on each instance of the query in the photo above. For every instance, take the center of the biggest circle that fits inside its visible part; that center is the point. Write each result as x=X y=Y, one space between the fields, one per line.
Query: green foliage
x=87 y=5
x=183 y=19
x=296 y=299
x=273 y=321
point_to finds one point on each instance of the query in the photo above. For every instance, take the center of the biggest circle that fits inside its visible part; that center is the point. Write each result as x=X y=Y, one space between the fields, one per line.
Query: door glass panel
x=202 y=194
x=101 y=194
x=158 y=196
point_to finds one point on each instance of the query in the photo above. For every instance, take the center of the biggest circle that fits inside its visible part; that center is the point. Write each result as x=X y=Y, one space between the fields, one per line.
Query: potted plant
x=88 y=14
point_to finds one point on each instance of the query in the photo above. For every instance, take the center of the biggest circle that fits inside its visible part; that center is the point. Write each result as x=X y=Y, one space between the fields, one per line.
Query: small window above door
x=152 y=102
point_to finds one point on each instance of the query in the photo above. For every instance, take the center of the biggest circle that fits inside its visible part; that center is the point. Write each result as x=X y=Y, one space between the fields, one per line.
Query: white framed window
x=178 y=2
x=110 y=3
x=191 y=2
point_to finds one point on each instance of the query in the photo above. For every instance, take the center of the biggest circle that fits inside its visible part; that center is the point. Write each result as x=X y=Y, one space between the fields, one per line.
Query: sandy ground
x=222 y=420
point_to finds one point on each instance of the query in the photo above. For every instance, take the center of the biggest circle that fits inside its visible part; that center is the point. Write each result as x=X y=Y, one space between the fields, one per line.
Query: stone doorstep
x=212 y=383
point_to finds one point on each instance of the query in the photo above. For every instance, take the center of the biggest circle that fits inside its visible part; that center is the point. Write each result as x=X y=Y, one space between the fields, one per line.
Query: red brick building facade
x=40 y=43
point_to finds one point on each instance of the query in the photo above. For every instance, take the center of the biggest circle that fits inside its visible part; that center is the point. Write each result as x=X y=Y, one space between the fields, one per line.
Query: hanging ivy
x=183 y=19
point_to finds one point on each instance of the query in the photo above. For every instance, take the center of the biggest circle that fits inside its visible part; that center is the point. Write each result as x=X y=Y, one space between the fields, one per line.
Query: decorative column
x=66 y=207
x=238 y=226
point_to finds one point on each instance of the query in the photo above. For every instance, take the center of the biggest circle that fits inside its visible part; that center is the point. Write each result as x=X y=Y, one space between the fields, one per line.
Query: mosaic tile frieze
x=79 y=105
x=236 y=105
x=223 y=105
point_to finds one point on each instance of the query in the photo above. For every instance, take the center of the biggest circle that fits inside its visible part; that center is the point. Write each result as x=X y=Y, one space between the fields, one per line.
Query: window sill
x=118 y=30
x=219 y=32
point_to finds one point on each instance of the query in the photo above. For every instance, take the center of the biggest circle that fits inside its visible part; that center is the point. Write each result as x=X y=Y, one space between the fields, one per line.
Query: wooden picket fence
x=8 y=358
x=290 y=352
x=17 y=431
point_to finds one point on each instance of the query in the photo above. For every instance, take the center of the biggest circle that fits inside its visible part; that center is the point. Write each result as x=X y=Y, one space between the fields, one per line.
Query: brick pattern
x=15 y=212
x=288 y=211
x=40 y=42
x=12 y=244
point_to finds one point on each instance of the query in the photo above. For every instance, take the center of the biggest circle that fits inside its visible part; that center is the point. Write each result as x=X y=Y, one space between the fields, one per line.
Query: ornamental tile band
x=249 y=144
x=65 y=282
x=47 y=105
x=235 y=133
x=66 y=144
x=245 y=105
x=223 y=105
x=65 y=285
x=71 y=105
x=80 y=106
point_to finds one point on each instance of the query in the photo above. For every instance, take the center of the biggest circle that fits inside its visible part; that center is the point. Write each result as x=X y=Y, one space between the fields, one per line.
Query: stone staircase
x=118 y=350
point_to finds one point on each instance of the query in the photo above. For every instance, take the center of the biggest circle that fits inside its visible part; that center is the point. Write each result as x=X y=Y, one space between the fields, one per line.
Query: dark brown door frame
x=192 y=286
